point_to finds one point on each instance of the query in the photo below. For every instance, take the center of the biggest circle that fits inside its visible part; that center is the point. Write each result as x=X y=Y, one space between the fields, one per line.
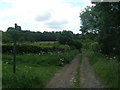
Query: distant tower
x=18 y=28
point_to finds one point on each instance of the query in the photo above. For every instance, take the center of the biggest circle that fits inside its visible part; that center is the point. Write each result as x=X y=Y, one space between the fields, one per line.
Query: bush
x=95 y=46
x=86 y=44
x=77 y=44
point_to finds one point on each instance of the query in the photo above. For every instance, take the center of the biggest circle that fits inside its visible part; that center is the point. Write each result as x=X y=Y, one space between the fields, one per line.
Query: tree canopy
x=103 y=19
x=27 y=35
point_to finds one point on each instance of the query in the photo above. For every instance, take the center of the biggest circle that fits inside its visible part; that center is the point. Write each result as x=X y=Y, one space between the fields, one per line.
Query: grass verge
x=105 y=68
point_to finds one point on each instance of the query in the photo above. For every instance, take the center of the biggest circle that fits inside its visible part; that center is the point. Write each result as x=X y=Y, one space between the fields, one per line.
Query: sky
x=42 y=15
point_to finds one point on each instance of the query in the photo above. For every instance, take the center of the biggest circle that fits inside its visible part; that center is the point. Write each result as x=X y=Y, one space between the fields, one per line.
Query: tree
x=103 y=19
x=66 y=37
x=6 y=37
x=109 y=35
x=88 y=21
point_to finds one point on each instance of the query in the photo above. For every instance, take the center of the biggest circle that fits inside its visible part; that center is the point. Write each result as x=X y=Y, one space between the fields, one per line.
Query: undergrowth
x=105 y=68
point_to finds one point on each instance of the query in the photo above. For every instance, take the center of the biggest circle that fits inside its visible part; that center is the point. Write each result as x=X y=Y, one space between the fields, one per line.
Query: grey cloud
x=43 y=17
x=57 y=24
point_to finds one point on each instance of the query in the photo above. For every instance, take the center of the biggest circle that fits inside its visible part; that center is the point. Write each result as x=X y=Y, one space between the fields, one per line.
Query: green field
x=33 y=70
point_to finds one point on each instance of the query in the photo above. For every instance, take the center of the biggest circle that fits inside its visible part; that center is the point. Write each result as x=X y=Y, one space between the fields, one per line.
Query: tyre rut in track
x=64 y=77
x=87 y=76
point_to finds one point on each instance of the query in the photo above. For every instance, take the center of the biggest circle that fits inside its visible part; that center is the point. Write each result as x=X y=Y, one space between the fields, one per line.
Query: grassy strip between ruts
x=76 y=82
x=33 y=71
x=106 y=69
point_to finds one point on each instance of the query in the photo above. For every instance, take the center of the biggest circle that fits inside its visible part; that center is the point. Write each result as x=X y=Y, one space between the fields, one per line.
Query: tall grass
x=27 y=76
x=33 y=70
x=52 y=58
x=105 y=68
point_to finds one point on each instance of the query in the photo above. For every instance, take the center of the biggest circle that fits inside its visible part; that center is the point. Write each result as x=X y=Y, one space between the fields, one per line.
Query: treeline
x=101 y=23
x=30 y=36
x=24 y=39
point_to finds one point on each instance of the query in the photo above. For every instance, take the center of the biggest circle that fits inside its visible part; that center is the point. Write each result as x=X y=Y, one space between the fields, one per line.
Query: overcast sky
x=42 y=15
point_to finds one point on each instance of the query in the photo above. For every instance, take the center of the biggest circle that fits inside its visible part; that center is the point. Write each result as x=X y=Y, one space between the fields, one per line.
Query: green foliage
x=10 y=29
x=88 y=21
x=64 y=47
x=103 y=19
x=105 y=68
x=30 y=36
x=39 y=47
x=109 y=30
x=66 y=37
x=86 y=44
x=6 y=38
x=77 y=44
x=95 y=47
x=101 y=33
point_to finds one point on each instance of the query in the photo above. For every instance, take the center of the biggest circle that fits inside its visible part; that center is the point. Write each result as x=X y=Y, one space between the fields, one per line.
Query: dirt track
x=87 y=76
x=64 y=77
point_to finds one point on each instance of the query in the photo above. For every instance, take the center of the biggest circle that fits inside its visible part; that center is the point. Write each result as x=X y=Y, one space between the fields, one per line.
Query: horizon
x=40 y=31
x=42 y=16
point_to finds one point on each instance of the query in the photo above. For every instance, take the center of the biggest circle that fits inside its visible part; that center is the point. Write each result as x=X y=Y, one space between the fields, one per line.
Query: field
x=34 y=70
